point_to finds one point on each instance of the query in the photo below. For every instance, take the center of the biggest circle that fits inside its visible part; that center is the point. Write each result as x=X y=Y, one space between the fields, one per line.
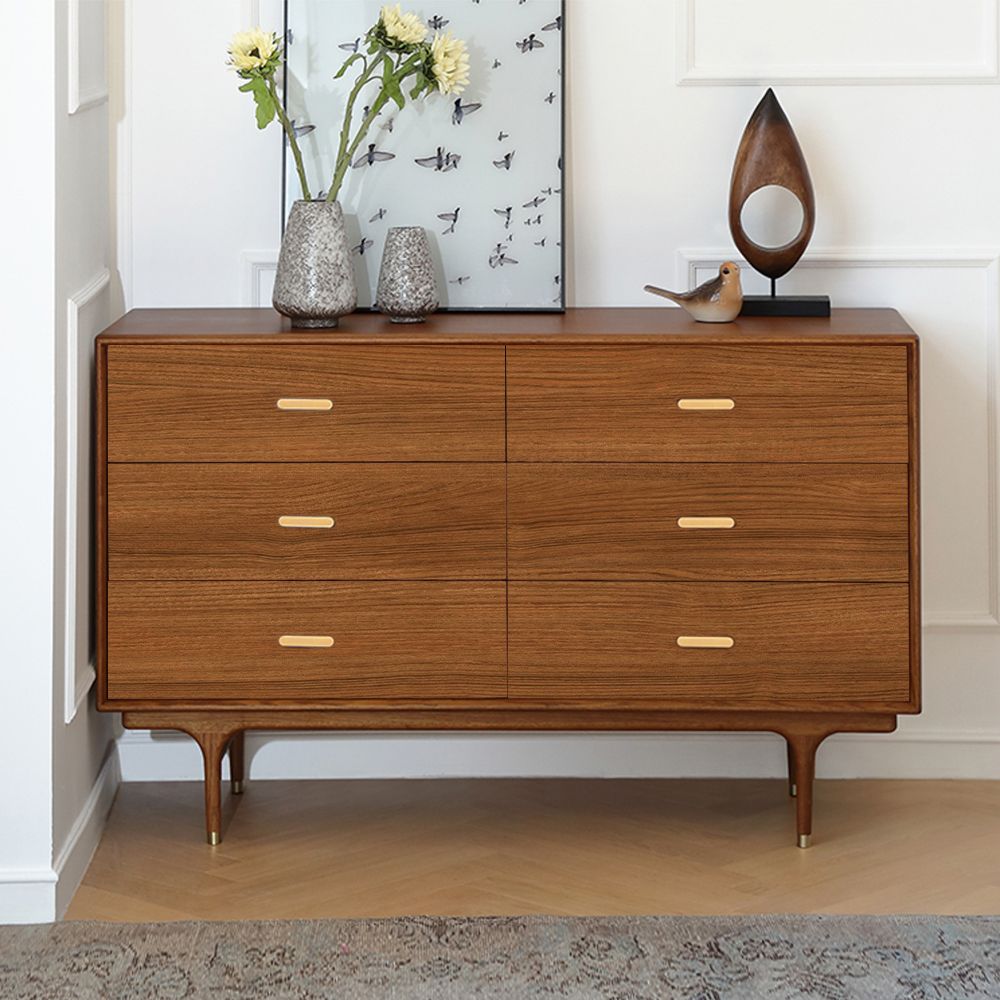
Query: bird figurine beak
x=718 y=300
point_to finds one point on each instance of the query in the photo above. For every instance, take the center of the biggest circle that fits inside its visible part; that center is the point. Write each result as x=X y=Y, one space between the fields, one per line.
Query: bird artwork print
x=479 y=168
x=372 y=157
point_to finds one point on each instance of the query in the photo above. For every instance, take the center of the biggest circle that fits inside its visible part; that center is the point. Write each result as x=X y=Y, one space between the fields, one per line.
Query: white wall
x=59 y=774
x=892 y=103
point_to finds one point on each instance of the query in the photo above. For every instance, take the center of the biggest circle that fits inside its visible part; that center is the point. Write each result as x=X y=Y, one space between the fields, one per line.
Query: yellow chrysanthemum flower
x=250 y=50
x=450 y=62
x=407 y=29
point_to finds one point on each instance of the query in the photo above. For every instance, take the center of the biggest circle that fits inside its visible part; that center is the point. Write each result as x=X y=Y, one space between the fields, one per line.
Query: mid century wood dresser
x=608 y=520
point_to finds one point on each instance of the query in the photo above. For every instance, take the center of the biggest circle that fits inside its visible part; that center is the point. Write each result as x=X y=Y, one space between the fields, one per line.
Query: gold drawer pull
x=313 y=405
x=706 y=404
x=306 y=641
x=706 y=522
x=705 y=642
x=287 y=521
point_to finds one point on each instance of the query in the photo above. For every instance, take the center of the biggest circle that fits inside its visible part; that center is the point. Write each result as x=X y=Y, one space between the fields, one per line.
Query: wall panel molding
x=925 y=70
x=258 y=268
x=694 y=266
x=85 y=310
x=87 y=72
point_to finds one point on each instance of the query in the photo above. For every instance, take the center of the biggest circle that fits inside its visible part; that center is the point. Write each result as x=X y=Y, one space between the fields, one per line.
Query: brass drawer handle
x=308 y=405
x=306 y=641
x=288 y=521
x=706 y=522
x=706 y=404
x=705 y=642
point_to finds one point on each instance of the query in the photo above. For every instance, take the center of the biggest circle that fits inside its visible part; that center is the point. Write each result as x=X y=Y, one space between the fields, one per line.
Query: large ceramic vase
x=315 y=284
x=407 y=287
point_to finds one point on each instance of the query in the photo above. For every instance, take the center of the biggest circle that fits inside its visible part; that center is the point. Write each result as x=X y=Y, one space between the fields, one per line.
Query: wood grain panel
x=653 y=325
x=810 y=646
x=204 y=641
x=792 y=522
x=179 y=521
x=199 y=403
x=797 y=403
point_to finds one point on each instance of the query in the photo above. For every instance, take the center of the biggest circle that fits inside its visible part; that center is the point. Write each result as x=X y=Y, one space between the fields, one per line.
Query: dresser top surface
x=590 y=326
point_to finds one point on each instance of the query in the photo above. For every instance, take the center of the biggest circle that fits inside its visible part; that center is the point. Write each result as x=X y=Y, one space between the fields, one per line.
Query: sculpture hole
x=772 y=217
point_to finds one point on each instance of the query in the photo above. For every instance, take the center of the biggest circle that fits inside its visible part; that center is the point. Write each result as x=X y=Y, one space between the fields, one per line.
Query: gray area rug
x=618 y=958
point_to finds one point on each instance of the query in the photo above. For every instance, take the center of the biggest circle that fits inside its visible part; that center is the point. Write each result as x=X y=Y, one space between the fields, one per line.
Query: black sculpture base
x=786 y=305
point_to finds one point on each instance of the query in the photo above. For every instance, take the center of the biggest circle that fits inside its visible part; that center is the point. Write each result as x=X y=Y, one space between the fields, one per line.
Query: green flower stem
x=346 y=153
x=292 y=140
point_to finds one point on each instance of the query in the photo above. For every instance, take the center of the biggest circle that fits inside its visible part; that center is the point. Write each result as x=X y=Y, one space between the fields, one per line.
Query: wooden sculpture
x=769 y=154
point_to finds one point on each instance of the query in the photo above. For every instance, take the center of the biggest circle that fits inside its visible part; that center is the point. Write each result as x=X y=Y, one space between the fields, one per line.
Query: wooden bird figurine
x=718 y=300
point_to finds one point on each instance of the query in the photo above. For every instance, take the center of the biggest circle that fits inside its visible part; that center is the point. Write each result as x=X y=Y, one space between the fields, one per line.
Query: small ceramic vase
x=315 y=285
x=407 y=287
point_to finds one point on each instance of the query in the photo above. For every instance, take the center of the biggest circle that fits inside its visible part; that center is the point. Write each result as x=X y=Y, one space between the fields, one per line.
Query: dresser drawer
x=692 y=521
x=202 y=403
x=744 y=645
x=270 y=521
x=260 y=643
x=729 y=403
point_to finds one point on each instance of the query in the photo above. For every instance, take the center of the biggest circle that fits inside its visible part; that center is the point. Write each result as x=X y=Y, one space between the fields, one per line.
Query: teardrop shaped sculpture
x=769 y=154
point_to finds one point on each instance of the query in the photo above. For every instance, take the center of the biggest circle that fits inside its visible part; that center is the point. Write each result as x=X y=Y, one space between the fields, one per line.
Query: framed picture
x=482 y=173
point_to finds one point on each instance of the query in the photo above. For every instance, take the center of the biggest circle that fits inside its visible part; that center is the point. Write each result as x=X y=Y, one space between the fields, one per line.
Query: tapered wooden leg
x=803 y=753
x=213 y=746
x=791 y=767
x=237 y=763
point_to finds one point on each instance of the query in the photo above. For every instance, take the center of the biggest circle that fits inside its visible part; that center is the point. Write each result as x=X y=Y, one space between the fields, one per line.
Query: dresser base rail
x=219 y=732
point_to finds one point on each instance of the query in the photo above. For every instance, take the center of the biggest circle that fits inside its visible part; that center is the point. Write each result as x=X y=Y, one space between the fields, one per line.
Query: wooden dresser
x=608 y=520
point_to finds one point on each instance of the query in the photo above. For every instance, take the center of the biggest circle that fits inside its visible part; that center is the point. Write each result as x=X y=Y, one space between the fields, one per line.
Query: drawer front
x=708 y=404
x=708 y=522
x=725 y=645
x=324 y=404
x=263 y=643
x=422 y=521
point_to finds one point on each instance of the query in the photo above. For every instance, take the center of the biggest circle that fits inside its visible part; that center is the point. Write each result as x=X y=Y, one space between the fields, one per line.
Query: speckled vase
x=407 y=288
x=314 y=285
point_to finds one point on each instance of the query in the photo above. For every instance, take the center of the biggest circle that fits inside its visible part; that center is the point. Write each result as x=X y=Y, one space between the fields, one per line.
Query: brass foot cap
x=805 y=839
x=214 y=838
x=237 y=788
x=793 y=791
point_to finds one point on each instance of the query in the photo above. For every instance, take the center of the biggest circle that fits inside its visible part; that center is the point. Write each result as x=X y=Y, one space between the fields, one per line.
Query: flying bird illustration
x=363 y=246
x=350 y=46
x=505 y=162
x=555 y=25
x=718 y=300
x=301 y=130
x=530 y=43
x=533 y=222
x=505 y=212
x=501 y=260
x=541 y=242
x=460 y=281
x=535 y=202
x=372 y=157
x=497 y=64
x=378 y=216
x=451 y=217
x=503 y=135
x=389 y=124
x=551 y=98
x=442 y=160
x=437 y=22
x=461 y=110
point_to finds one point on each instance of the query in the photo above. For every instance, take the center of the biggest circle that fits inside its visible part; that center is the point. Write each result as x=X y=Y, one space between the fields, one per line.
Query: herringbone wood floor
x=385 y=848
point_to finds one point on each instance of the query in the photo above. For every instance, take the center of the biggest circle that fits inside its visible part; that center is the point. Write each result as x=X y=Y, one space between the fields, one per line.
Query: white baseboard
x=905 y=754
x=73 y=857
x=41 y=895
x=27 y=895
